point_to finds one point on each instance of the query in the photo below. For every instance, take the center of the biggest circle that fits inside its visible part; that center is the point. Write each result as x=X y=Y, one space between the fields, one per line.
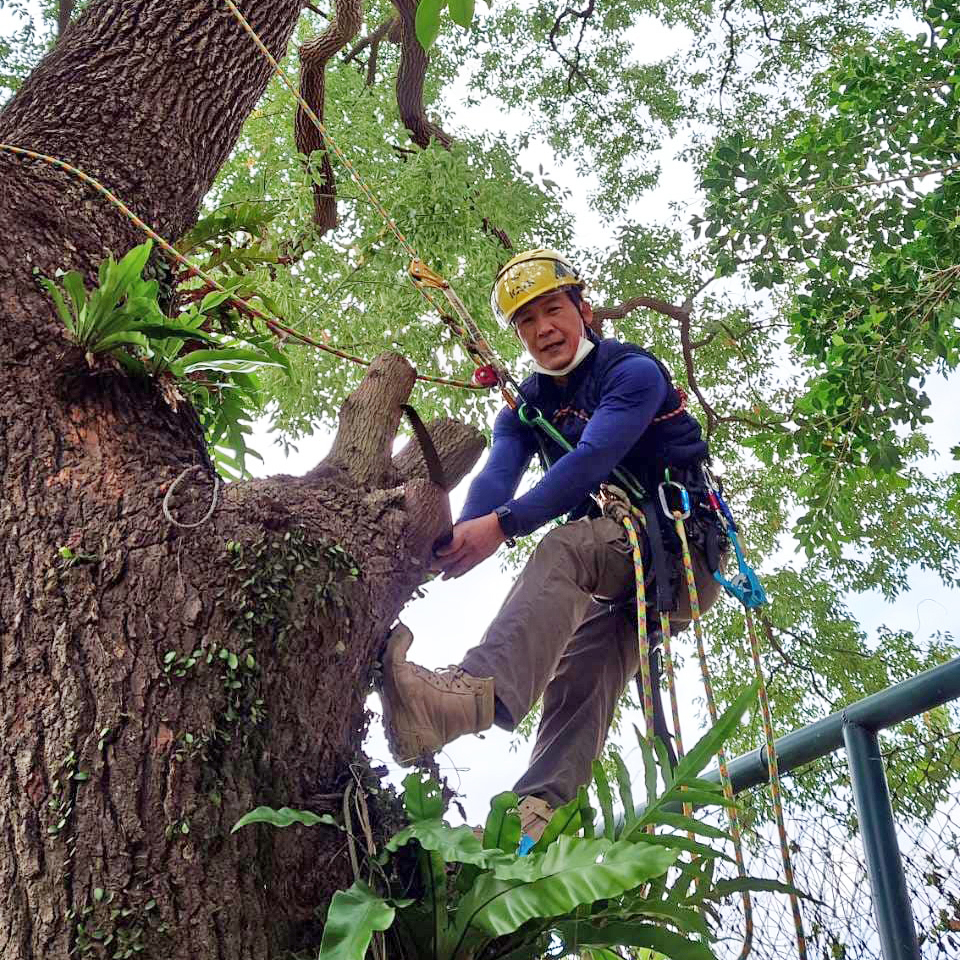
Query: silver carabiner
x=684 y=499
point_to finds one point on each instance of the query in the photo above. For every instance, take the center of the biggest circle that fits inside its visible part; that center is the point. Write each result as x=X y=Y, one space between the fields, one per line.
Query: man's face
x=550 y=328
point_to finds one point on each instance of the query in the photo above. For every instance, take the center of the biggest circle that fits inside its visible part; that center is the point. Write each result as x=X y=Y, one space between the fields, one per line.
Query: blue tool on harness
x=744 y=585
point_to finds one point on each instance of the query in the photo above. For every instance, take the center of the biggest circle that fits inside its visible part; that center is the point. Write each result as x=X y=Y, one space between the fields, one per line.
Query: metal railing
x=855 y=728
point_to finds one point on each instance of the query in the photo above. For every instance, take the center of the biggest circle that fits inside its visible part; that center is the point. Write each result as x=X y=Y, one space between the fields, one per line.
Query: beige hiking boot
x=425 y=709
x=535 y=814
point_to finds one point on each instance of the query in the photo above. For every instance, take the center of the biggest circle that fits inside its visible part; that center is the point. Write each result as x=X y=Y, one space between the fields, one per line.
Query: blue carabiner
x=684 y=499
x=745 y=585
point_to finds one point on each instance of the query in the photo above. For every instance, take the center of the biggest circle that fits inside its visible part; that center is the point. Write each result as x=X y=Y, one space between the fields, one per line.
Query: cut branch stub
x=368 y=422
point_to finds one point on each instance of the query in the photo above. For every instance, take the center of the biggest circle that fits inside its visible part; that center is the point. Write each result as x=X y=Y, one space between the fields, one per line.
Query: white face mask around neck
x=583 y=349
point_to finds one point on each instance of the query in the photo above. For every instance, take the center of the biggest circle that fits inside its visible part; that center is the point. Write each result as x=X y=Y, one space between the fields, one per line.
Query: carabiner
x=423 y=276
x=529 y=416
x=613 y=501
x=684 y=500
x=744 y=585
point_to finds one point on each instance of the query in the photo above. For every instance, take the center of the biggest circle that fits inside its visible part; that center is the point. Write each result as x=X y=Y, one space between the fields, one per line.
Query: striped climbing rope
x=727 y=787
x=774 y=769
x=772 y=766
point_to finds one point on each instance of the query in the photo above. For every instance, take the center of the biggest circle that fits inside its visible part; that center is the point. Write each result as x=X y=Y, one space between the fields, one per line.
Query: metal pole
x=891 y=905
x=876 y=712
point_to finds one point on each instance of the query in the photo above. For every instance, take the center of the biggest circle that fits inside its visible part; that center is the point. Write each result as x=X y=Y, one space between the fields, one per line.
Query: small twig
x=348 y=823
x=730 y=56
x=374 y=37
x=769 y=36
x=573 y=66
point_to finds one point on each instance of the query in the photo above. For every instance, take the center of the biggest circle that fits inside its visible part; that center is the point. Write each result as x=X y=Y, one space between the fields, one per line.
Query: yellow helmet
x=527 y=276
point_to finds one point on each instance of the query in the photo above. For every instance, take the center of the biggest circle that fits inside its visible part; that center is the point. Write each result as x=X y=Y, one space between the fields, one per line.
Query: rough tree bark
x=123 y=768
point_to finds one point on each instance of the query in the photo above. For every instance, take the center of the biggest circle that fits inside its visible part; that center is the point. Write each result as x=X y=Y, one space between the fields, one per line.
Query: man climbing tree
x=567 y=630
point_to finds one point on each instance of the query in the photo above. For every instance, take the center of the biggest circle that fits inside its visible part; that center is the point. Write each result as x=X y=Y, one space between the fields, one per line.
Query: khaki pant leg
x=579 y=703
x=523 y=645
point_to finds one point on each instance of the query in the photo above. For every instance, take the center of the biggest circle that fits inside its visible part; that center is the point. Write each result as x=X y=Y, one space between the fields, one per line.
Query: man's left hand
x=472 y=542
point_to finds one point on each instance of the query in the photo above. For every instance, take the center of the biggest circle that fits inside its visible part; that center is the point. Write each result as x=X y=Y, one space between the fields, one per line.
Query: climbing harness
x=176 y=483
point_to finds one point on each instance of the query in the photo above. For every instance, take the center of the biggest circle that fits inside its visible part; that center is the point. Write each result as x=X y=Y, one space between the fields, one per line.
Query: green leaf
x=131 y=266
x=649 y=767
x=422 y=798
x=626 y=790
x=427 y=21
x=213 y=299
x=225 y=360
x=554 y=883
x=703 y=798
x=710 y=744
x=461 y=12
x=724 y=888
x=502 y=830
x=354 y=916
x=284 y=817
x=73 y=284
x=65 y=315
x=670 y=944
x=565 y=820
x=606 y=799
x=678 y=841
x=454 y=844
x=587 y=813
x=679 y=822
x=121 y=339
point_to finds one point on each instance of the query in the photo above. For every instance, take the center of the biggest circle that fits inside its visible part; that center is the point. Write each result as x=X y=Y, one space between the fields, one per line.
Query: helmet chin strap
x=583 y=350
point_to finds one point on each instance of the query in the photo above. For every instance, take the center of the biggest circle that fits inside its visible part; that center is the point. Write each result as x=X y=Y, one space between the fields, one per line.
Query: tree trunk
x=167 y=680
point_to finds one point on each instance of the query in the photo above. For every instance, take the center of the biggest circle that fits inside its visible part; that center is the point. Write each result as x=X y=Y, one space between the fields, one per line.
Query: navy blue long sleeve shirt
x=631 y=393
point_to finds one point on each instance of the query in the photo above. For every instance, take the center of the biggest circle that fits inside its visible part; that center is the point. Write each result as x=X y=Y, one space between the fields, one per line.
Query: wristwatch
x=508 y=524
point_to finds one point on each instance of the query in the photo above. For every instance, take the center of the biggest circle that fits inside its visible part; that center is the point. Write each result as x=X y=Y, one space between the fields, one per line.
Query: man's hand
x=473 y=541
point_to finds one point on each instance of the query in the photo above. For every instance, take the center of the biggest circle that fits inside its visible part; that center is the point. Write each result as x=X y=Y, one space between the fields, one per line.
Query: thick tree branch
x=691 y=372
x=314 y=56
x=628 y=306
x=368 y=423
x=64 y=13
x=410 y=77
